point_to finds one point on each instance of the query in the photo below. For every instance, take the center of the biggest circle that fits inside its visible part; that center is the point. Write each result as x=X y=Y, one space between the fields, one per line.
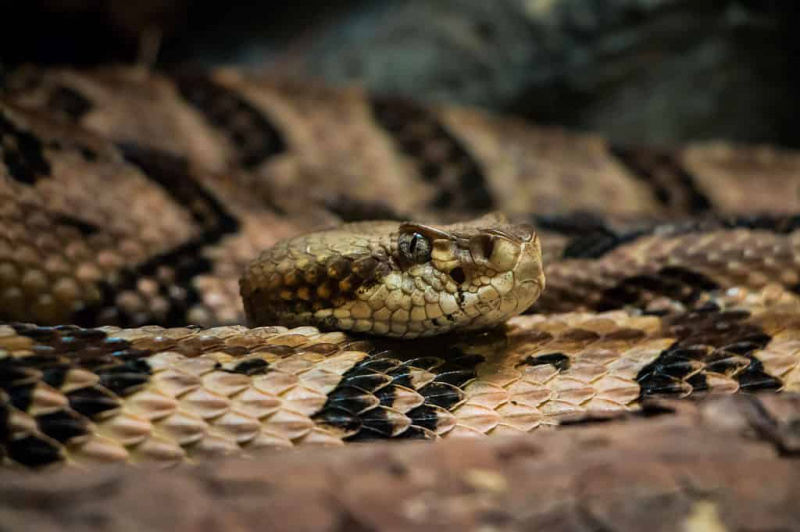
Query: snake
x=205 y=264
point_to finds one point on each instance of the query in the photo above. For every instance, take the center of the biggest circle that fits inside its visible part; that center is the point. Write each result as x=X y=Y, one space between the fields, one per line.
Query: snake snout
x=500 y=249
x=529 y=268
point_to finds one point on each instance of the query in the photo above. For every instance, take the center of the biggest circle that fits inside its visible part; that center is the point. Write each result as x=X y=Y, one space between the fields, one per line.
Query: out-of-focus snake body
x=131 y=205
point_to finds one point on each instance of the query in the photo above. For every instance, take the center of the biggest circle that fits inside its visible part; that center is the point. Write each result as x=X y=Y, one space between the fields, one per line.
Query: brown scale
x=725 y=173
x=125 y=107
x=106 y=259
x=316 y=287
x=182 y=393
x=332 y=138
x=439 y=157
x=253 y=137
x=714 y=349
x=57 y=382
x=670 y=263
x=69 y=241
x=163 y=396
x=672 y=184
x=330 y=132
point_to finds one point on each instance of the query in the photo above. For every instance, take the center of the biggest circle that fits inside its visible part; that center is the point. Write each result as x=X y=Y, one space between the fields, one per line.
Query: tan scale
x=88 y=234
x=196 y=403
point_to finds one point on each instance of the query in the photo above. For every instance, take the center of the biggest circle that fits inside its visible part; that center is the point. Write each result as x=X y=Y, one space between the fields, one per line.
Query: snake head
x=490 y=268
x=407 y=280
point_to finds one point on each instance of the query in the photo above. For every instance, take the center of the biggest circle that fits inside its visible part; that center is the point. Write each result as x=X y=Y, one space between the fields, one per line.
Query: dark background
x=654 y=72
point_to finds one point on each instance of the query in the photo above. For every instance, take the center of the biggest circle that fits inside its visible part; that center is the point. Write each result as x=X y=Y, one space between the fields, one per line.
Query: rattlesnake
x=134 y=201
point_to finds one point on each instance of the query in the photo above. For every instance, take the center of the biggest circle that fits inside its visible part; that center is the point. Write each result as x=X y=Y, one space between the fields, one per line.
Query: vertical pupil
x=413 y=245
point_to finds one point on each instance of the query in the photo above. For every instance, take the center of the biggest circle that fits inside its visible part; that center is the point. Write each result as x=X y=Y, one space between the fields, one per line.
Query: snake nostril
x=458 y=275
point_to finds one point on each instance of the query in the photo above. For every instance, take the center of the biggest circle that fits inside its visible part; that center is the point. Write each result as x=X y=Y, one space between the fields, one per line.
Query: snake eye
x=415 y=248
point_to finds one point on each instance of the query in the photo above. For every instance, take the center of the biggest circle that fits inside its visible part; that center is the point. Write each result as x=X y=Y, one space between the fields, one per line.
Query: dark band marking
x=358 y=404
x=673 y=282
x=782 y=225
x=352 y=399
x=92 y=401
x=63 y=425
x=440 y=157
x=186 y=261
x=85 y=228
x=593 y=237
x=416 y=432
x=386 y=395
x=339 y=418
x=58 y=350
x=250 y=367
x=67 y=101
x=442 y=395
x=90 y=349
x=559 y=361
x=12 y=374
x=458 y=371
x=375 y=425
x=33 y=451
x=710 y=341
x=5 y=412
x=351 y=209
x=126 y=378
x=672 y=184
x=20 y=396
x=173 y=175
x=754 y=378
x=368 y=383
x=23 y=153
x=425 y=416
x=250 y=132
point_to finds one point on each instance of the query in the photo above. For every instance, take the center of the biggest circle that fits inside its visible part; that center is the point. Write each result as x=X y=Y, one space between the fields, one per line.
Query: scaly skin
x=400 y=280
x=165 y=396
x=139 y=200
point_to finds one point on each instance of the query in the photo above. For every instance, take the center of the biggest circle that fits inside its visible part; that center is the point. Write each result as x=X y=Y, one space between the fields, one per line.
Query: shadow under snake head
x=397 y=279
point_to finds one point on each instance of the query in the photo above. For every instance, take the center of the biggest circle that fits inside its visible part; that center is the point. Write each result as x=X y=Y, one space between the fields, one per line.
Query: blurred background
x=653 y=72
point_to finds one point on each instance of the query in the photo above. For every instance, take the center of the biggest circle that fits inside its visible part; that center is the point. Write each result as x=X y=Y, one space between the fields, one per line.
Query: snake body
x=131 y=205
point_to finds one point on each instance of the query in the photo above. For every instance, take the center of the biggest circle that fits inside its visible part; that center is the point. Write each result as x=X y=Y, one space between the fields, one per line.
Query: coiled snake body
x=131 y=210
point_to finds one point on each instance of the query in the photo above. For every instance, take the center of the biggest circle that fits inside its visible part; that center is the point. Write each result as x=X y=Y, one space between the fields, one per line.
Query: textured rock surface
x=728 y=464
